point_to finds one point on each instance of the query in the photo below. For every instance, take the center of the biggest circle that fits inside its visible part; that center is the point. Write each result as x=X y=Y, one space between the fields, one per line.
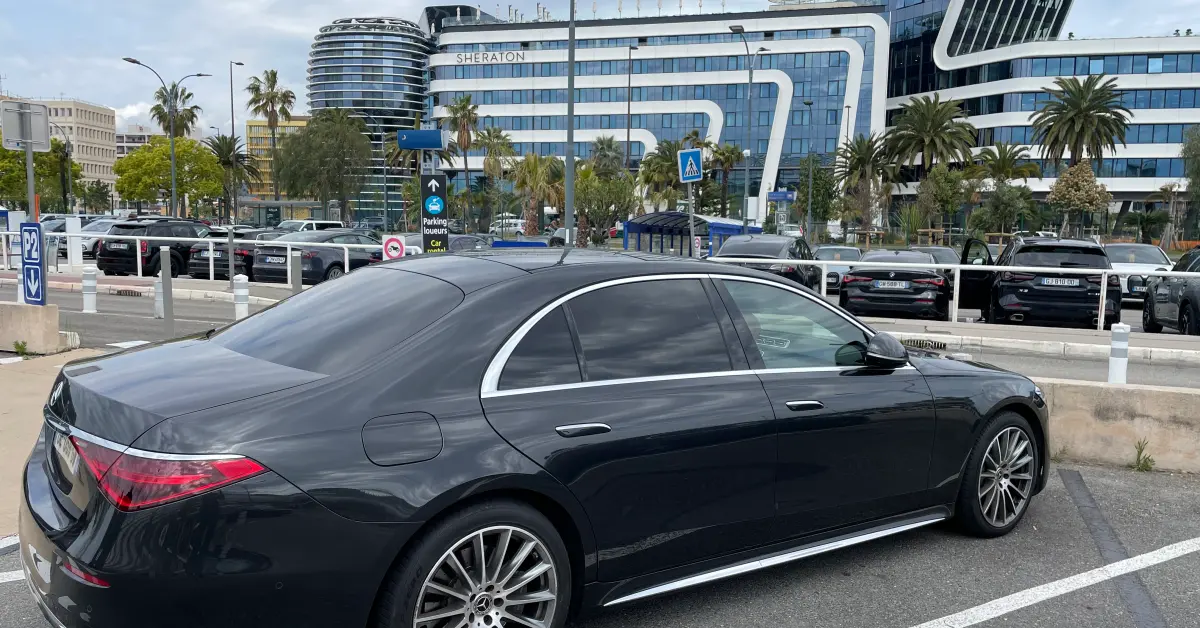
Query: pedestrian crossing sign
x=691 y=165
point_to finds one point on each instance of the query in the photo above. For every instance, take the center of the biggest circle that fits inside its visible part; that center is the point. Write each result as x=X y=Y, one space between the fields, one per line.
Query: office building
x=258 y=146
x=91 y=131
x=375 y=68
x=134 y=137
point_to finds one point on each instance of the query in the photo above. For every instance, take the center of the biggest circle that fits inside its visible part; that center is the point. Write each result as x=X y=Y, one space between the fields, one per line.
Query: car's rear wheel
x=1000 y=477
x=1150 y=324
x=334 y=272
x=494 y=564
x=1188 y=324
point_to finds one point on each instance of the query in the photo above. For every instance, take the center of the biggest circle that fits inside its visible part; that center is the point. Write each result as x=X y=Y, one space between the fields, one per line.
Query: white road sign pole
x=27 y=136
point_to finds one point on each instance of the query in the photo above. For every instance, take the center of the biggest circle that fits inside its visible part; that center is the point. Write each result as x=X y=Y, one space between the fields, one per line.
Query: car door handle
x=582 y=429
x=804 y=406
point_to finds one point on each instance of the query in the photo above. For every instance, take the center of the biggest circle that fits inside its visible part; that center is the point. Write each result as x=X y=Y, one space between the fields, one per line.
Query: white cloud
x=137 y=113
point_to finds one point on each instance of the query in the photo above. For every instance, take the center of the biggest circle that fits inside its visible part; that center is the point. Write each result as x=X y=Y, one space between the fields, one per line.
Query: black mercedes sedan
x=919 y=292
x=503 y=438
x=777 y=247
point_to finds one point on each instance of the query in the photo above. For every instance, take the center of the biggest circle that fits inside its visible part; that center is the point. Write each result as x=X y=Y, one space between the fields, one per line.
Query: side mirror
x=884 y=351
x=978 y=261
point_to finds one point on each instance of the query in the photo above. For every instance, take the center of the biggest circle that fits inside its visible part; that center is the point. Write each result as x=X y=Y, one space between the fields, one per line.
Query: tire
x=333 y=272
x=1150 y=324
x=992 y=514
x=1188 y=325
x=994 y=316
x=405 y=587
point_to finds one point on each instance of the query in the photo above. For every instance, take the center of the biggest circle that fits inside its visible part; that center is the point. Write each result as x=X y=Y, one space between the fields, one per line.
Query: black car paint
x=314 y=269
x=124 y=261
x=243 y=261
x=783 y=248
x=251 y=544
x=863 y=298
x=1171 y=297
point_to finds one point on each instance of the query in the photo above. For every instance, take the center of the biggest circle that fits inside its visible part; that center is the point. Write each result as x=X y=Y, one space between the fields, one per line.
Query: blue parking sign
x=31 y=243
x=34 y=285
x=691 y=165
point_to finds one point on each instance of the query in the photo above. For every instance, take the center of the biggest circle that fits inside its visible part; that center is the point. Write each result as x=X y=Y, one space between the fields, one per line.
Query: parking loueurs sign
x=435 y=221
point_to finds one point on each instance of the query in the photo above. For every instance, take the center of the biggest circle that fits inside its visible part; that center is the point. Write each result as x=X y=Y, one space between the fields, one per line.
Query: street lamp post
x=233 y=135
x=569 y=171
x=172 y=97
x=70 y=200
x=808 y=219
x=629 y=105
x=739 y=30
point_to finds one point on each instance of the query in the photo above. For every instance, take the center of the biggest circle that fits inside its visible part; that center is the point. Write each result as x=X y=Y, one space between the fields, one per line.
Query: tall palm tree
x=1082 y=117
x=863 y=158
x=270 y=100
x=239 y=167
x=1168 y=195
x=462 y=120
x=498 y=151
x=186 y=114
x=535 y=177
x=725 y=157
x=659 y=173
x=1006 y=162
x=696 y=139
x=932 y=129
x=608 y=156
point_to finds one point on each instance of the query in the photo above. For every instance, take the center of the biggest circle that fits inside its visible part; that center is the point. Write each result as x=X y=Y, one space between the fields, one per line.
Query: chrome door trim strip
x=71 y=430
x=611 y=382
x=773 y=560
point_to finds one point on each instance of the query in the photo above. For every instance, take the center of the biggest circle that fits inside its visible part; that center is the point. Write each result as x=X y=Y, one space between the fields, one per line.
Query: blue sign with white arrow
x=33 y=264
x=691 y=165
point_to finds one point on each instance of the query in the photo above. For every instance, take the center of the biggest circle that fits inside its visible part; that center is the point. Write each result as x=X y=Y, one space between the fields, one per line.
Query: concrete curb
x=148 y=291
x=970 y=344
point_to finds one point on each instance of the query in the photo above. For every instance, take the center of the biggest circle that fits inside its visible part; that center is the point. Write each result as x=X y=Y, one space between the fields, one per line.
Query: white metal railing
x=73 y=240
x=958 y=268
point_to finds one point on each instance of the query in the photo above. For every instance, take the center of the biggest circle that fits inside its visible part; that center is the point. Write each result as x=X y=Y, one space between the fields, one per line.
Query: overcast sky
x=74 y=48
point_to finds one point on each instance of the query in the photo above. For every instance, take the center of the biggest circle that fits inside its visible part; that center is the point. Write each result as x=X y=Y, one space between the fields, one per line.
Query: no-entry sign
x=393 y=247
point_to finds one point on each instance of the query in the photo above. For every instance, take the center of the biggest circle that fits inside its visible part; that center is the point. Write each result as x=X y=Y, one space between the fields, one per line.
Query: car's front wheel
x=1150 y=324
x=1000 y=477
x=493 y=564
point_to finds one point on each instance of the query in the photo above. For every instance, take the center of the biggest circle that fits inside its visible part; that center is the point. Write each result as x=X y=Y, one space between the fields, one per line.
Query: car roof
x=931 y=247
x=769 y=237
x=1083 y=244
x=835 y=246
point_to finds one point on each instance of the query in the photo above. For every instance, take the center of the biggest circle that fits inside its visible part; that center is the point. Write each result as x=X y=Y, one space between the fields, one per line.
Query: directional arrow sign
x=433 y=185
x=33 y=284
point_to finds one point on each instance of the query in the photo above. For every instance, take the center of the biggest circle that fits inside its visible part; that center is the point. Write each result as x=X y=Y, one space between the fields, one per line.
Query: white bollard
x=158 y=297
x=89 y=290
x=241 y=297
x=1118 y=355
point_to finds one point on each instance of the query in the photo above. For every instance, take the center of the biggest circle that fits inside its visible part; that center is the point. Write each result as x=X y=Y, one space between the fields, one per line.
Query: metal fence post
x=346 y=259
x=1103 y=301
x=158 y=297
x=295 y=274
x=89 y=289
x=241 y=297
x=288 y=256
x=954 y=296
x=4 y=251
x=212 y=264
x=1118 y=354
x=164 y=271
x=137 y=253
x=824 y=280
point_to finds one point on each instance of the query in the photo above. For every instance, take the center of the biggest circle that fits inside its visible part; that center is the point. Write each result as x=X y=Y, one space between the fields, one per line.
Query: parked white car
x=91 y=245
x=507 y=226
x=1131 y=260
x=309 y=225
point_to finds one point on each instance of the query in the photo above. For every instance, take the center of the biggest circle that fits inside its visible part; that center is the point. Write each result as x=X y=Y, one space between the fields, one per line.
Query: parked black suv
x=119 y=257
x=1174 y=301
x=1017 y=296
x=770 y=247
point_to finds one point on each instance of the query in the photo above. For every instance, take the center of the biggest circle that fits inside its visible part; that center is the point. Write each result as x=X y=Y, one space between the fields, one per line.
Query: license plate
x=892 y=285
x=118 y=246
x=216 y=254
x=831 y=280
x=66 y=451
x=1059 y=281
x=1139 y=288
x=273 y=260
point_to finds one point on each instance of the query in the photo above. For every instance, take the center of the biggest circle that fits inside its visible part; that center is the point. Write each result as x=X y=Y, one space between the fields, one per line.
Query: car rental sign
x=435 y=222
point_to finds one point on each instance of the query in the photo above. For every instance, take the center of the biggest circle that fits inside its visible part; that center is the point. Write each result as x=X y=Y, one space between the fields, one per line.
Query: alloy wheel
x=335 y=272
x=1146 y=322
x=1006 y=477
x=499 y=577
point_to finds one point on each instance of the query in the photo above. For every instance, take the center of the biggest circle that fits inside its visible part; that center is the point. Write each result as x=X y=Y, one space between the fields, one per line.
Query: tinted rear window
x=1134 y=254
x=268 y=236
x=943 y=256
x=128 y=230
x=1061 y=256
x=317 y=330
x=902 y=257
x=305 y=236
x=838 y=254
x=772 y=248
x=545 y=357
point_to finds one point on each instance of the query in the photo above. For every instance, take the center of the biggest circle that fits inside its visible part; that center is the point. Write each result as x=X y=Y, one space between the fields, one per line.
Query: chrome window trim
x=71 y=430
x=491 y=378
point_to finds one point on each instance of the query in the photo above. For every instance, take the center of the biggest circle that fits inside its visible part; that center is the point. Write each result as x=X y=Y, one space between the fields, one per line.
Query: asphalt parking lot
x=1087 y=518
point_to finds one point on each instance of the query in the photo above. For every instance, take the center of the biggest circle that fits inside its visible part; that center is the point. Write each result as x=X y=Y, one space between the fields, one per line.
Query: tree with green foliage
x=824 y=190
x=328 y=160
x=497 y=159
x=238 y=166
x=462 y=120
x=659 y=175
x=932 y=129
x=186 y=114
x=48 y=176
x=942 y=192
x=1150 y=224
x=725 y=157
x=600 y=200
x=145 y=174
x=1006 y=162
x=270 y=100
x=1169 y=196
x=1003 y=209
x=96 y=195
x=1077 y=191
x=909 y=221
x=535 y=176
x=1084 y=118
x=607 y=156
x=1191 y=164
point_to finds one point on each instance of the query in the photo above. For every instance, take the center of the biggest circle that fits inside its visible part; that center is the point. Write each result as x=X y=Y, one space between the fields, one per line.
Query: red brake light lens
x=1010 y=276
x=242 y=251
x=83 y=576
x=308 y=254
x=854 y=278
x=145 y=246
x=133 y=482
x=933 y=281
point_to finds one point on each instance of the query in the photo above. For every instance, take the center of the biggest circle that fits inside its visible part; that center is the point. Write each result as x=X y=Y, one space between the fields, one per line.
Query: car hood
x=1130 y=269
x=118 y=397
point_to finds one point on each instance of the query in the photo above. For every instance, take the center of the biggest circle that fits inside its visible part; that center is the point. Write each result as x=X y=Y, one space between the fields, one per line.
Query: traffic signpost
x=33 y=264
x=691 y=170
x=393 y=247
x=435 y=225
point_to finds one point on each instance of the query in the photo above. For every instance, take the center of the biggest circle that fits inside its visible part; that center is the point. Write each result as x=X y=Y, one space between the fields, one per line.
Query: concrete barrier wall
x=1101 y=423
x=36 y=326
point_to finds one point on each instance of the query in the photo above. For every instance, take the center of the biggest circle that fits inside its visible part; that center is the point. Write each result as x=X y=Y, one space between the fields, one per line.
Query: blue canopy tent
x=671 y=231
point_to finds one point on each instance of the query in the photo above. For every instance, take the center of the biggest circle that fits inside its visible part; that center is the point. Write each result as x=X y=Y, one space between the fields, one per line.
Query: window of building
x=1096 y=66
x=763 y=119
x=763 y=145
x=832 y=116
x=800 y=117
x=648 y=329
x=1140 y=64
x=831 y=145
x=1155 y=65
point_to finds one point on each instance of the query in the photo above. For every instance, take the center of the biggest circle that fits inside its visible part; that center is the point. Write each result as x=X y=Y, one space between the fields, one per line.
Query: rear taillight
x=242 y=251
x=133 y=481
x=196 y=248
x=1010 y=276
x=308 y=254
x=78 y=574
x=145 y=246
x=933 y=281
x=854 y=278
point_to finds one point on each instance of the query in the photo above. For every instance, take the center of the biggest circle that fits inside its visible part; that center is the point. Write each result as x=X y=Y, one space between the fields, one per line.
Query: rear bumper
x=1062 y=311
x=923 y=307
x=106 y=263
x=256 y=553
x=198 y=267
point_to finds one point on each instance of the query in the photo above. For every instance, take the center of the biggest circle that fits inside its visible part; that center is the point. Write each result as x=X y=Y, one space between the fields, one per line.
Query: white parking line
x=9 y=541
x=1029 y=597
x=11 y=576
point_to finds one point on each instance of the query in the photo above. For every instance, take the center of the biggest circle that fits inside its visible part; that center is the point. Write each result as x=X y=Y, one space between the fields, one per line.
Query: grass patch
x=1142 y=461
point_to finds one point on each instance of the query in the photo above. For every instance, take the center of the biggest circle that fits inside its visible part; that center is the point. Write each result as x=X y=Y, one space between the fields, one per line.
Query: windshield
x=290 y=225
x=267 y=236
x=98 y=226
x=305 y=236
x=943 y=256
x=1061 y=256
x=900 y=257
x=838 y=254
x=127 y=230
x=53 y=225
x=1136 y=254
x=769 y=248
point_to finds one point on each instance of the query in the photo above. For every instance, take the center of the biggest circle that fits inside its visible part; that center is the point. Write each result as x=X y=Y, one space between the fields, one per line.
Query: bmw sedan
x=920 y=292
x=503 y=438
x=317 y=263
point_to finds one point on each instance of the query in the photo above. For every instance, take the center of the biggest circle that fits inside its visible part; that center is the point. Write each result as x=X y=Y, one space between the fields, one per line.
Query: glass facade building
x=376 y=69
